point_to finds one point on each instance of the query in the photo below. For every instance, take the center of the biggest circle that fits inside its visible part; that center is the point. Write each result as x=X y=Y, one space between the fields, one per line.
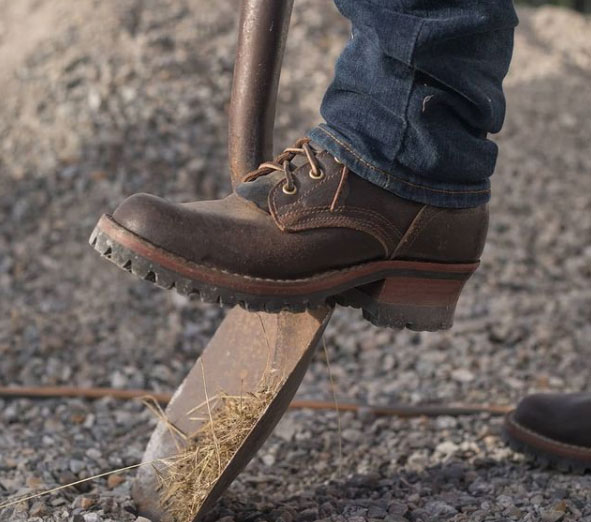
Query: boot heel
x=417 y=299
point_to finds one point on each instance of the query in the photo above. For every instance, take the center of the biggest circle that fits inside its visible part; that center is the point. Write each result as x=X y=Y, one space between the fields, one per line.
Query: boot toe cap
x=150 y=217
x=205 y=232
x=163 y=224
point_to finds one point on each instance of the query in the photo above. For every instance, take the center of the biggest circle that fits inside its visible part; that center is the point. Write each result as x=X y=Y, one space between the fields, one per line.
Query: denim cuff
x=400 y=181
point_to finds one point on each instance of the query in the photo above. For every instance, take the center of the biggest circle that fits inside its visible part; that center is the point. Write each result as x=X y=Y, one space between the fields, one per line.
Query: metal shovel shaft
x=261 y=44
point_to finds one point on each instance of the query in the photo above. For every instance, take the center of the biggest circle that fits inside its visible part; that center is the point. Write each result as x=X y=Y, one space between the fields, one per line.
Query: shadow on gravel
x=455 y=490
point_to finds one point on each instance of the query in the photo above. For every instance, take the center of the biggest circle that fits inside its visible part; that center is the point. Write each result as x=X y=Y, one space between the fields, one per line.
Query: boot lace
x=283 y=163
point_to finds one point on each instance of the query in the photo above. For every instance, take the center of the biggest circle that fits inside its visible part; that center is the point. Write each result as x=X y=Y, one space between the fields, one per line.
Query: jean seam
x=400 y=143
x=473 y=33
x=392 y=176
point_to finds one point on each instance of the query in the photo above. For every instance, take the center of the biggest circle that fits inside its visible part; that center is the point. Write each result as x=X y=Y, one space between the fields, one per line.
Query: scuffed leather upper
x=564 y=418
x=331 y=223
x=234 y=235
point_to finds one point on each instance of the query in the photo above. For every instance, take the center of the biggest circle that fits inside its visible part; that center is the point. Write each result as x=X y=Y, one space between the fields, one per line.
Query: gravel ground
x=100 y=99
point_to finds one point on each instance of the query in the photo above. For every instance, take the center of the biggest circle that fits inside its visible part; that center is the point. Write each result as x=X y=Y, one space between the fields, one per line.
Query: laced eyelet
x=289 y=192
x=337 y=160
x=320 y=174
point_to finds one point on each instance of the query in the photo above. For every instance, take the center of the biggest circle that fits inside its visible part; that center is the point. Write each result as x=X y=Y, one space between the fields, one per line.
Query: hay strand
x=187 y=478
x=336 y=407
x=18 y=500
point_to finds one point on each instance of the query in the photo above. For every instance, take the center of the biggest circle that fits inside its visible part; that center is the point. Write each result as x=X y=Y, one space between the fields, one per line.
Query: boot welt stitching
x=319 y=275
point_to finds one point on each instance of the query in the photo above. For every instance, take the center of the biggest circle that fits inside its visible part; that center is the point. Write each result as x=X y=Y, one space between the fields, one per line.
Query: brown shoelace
x=283 y=163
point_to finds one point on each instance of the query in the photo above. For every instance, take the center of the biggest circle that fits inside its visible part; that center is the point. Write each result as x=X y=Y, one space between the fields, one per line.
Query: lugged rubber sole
x=392 y=293
x=545 y=452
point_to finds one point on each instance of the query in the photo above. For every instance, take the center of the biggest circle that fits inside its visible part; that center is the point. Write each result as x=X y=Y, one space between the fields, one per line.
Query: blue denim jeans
x=416 y=91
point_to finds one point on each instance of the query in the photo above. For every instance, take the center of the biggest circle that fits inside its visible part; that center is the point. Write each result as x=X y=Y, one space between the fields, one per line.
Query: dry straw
x=187 y=478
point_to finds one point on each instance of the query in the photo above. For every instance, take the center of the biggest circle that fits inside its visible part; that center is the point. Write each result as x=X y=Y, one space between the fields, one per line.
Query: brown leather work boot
x=301 y=232
x=553 y=429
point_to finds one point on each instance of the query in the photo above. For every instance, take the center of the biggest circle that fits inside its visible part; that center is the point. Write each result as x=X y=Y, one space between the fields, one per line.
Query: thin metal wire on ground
x=394 y=410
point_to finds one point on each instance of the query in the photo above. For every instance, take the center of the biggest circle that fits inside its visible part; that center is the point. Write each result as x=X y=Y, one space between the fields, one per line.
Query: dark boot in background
x=553 y=429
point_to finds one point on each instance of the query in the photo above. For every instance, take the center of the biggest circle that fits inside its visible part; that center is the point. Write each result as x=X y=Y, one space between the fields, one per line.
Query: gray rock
x=38 y=509
x=552 y=516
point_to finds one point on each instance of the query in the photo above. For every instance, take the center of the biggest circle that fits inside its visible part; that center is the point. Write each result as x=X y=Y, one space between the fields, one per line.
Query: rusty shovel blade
x=245 y=346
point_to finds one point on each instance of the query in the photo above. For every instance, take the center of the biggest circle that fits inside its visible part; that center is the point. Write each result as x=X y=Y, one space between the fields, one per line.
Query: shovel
x=249 y=350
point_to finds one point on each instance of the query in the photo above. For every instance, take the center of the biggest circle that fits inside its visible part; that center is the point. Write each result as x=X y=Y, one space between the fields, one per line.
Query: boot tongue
x=258 y=190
